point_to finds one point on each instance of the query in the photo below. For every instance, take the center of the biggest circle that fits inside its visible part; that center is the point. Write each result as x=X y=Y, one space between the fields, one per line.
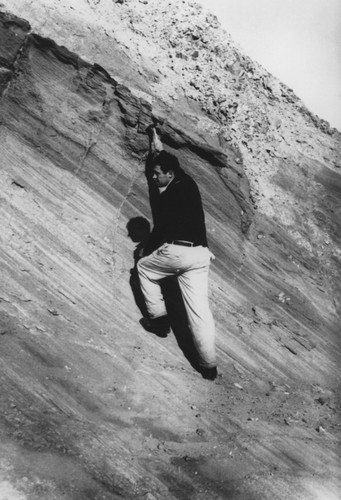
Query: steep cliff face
x=93 y=406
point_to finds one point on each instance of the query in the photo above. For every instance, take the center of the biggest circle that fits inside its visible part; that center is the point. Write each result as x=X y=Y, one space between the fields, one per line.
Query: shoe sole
x=157 y=331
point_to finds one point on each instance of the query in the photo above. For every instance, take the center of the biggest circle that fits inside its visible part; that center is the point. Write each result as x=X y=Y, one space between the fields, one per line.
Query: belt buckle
x=183 y=243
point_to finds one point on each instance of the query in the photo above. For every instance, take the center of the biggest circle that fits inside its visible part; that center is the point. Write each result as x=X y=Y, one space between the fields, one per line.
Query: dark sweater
x=178 y=215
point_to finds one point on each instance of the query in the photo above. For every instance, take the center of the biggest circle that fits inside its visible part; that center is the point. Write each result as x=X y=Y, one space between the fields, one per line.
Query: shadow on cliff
x=138 y=230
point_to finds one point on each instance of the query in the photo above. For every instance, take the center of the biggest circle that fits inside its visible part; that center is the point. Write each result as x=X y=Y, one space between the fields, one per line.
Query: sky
x=298 y=41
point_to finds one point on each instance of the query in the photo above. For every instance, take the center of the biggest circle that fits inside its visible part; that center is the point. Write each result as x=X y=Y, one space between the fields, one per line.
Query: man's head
x=165 y=168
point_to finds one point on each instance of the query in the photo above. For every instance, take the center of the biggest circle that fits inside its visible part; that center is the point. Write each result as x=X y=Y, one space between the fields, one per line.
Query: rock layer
x=87 y=393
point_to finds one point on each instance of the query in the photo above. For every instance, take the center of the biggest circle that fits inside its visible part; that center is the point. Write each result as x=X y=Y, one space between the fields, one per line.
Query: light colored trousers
x=190 y=265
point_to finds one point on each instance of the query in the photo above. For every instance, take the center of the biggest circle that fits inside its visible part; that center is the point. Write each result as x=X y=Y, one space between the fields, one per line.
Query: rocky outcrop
x=92 y=405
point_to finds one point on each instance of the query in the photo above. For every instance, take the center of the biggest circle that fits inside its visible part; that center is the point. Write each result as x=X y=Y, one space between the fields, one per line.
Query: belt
x=183 y=243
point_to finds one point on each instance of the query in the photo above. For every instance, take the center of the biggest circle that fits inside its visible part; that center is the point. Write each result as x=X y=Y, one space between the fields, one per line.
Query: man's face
x=160 y=178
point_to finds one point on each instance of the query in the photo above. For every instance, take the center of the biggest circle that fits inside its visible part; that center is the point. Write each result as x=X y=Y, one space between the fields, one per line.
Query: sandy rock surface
x=92 y=406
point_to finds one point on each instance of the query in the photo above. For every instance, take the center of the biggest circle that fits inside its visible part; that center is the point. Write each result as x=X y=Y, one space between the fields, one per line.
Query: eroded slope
x=92 y=406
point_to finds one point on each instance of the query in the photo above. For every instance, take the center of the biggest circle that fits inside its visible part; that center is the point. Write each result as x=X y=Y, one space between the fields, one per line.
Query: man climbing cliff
x=178 y=247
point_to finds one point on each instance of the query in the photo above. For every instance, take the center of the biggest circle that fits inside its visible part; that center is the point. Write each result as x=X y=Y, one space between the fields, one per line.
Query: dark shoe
x=209 y=373
x=160 y=326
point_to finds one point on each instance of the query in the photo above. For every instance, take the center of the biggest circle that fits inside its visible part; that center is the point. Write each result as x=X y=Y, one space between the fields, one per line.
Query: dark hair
x=167 y=163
